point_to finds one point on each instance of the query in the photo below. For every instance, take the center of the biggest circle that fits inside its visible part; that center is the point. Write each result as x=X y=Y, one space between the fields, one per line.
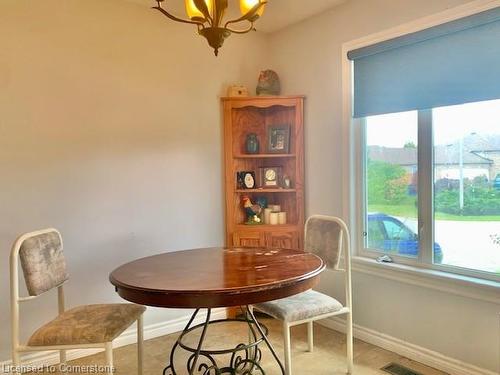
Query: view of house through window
x=466 y=185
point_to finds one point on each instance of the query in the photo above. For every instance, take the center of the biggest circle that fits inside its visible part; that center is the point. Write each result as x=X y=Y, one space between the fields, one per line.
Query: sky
x=450 y=123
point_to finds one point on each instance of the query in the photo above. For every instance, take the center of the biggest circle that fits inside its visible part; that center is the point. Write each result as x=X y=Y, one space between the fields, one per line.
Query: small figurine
x=252 y=210
x=269 y=83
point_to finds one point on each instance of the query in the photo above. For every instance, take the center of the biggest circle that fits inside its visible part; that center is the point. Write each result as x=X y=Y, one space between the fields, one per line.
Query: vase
x=252 y=144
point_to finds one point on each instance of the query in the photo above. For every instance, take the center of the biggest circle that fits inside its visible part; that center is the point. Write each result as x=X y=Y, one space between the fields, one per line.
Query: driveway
x=466 y=243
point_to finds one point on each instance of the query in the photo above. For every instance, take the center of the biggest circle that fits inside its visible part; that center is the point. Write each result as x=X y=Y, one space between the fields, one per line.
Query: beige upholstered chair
x=90 y=326
x=325 y=236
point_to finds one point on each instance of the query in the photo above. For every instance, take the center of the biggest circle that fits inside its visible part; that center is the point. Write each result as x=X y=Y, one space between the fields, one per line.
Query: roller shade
x=454 y=63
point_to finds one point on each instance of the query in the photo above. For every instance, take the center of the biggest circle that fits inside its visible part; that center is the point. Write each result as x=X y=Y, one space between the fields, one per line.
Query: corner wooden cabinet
x=259 y=116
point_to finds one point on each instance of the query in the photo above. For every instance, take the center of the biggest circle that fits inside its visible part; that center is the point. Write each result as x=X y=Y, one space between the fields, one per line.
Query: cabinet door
x=248 y=239
x=283 y=240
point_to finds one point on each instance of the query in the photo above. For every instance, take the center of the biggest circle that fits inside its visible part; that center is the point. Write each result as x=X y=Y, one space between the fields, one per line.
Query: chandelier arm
x=220 y=10
x=202 y=7
x=250 y=28
x=251 y=13
x=174 y=18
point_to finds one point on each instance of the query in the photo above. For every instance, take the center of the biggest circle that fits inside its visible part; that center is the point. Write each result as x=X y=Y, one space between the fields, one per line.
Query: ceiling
x=282 y=13
x=278 y=15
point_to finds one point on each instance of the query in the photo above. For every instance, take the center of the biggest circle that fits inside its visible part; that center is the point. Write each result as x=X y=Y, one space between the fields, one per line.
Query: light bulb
x=246 y=5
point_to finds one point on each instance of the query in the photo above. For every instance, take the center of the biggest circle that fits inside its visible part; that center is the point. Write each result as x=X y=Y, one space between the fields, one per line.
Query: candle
x=275 y=207
x=281 y=218
x=273 y=218
x=267 y=213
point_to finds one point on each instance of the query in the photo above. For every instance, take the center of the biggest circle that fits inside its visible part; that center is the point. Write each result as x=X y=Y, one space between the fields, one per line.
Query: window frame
x=458 y=283
x=425 y=205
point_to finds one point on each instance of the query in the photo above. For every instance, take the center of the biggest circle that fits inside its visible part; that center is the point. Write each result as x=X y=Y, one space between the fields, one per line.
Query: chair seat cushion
x=89 y=324
x=301 y=306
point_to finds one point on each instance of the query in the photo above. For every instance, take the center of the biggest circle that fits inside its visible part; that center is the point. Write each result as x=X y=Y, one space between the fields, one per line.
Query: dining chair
x=326 y=237
x=82 y=327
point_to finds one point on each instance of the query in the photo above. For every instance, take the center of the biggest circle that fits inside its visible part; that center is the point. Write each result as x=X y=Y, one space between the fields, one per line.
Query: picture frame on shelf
x=246 y=180
x=286 y=182
x=278 y=139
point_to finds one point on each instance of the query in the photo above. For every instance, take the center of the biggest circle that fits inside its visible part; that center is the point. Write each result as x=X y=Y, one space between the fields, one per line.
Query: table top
x=216 y=277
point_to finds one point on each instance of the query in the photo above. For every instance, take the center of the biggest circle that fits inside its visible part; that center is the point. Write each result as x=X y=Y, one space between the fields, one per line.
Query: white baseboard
x=49 y=358
x=417 y=353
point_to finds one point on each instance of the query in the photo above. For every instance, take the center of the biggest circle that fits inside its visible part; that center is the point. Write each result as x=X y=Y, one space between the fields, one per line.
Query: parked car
x=388 y=233
x=496 y=182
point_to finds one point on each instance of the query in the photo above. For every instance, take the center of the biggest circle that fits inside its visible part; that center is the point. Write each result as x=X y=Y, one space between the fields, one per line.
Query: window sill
x=465 y=286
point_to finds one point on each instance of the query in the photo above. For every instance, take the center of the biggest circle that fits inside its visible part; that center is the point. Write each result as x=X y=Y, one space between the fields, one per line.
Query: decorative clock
x=269 y=177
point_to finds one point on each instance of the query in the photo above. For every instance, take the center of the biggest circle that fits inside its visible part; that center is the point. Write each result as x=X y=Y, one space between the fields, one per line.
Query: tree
x=387 y=183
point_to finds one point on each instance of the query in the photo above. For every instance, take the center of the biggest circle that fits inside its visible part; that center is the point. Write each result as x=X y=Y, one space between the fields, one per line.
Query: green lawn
x=410 y=211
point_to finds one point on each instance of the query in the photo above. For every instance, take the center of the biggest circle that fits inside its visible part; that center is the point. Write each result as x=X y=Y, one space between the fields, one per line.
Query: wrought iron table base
x=245 y=358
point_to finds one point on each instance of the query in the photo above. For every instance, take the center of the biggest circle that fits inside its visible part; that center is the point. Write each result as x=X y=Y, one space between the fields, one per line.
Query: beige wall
x=110 y=131
x=308 y=59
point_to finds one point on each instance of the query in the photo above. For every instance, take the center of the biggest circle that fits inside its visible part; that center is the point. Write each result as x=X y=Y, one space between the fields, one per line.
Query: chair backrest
x=42 y=260
x=324 y=236
x=44 y=268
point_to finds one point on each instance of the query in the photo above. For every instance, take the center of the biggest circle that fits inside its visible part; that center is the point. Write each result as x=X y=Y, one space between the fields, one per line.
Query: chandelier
x=208 y=16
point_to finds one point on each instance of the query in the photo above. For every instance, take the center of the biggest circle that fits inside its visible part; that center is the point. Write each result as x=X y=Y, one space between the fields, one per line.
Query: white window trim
x=436 y=278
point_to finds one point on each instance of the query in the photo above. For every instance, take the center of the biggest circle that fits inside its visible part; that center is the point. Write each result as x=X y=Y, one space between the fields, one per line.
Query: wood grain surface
x=216 y=277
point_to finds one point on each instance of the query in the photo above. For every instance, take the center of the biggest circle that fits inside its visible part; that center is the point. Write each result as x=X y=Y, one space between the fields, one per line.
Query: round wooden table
x=218 y=277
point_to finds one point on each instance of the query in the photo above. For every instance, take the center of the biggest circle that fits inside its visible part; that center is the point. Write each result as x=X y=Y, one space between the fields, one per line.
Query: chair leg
x=109 y=355
x=16 y=358
x=62 y=356
x=310 y=335
x=250 y=309
x=62 y=359
x=288 y=349
x=350 y=354
x=251 y=338
x=140 y=347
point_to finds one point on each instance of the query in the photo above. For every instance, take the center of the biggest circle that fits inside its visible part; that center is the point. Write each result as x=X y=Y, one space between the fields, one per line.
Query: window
x=427 y=106
x=465 y=143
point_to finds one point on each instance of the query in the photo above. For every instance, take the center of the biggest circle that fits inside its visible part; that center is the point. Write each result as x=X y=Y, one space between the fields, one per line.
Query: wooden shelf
x=267 y=226
x=244 y=116
x=264 y=156
x=271 y=98
x=258 y=191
